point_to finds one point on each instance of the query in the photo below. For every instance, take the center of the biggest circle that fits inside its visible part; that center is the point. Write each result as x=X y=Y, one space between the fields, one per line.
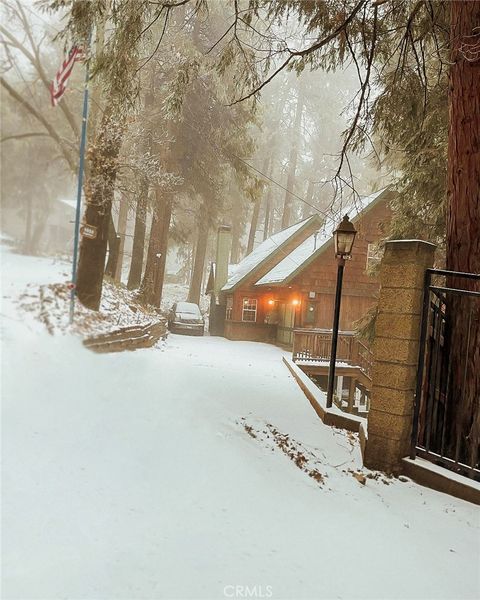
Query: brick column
x=395 y=351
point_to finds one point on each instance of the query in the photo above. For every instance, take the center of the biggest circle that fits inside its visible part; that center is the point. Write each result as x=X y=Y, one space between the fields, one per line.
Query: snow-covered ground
x=198 y=469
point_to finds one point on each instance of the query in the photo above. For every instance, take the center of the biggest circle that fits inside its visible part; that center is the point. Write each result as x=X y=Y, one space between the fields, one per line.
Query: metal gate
x=446 y=425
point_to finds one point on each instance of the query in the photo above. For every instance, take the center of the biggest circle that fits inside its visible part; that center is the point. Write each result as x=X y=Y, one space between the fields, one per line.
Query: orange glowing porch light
x=295 y=302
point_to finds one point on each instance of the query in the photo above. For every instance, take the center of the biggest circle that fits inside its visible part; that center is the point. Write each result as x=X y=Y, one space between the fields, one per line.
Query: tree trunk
x=113 y=249
x=103 y=172
x=121 y=231
x=138 y=247
x=256 y=213
x=27 y=243
x=307 y=209
x=463 y=220
x=152 y=284
x=253 y=225
x=199 y=263
x=292 y=163
x=268 y=213
x=37 y=234
x=267 y=226
x=237 y=227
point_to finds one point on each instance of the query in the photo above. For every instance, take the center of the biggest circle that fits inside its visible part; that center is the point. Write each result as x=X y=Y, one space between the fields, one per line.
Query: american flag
x=59 y=84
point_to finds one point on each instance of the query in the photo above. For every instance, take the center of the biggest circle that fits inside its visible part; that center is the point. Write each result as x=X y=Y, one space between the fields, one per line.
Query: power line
x=326 y=215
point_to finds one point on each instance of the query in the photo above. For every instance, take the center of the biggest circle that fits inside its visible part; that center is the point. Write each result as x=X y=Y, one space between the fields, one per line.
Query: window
x=249 y=309
x=374 y=256
x=228 y=313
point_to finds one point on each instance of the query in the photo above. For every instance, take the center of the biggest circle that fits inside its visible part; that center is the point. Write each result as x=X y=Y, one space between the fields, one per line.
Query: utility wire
x=325 y=214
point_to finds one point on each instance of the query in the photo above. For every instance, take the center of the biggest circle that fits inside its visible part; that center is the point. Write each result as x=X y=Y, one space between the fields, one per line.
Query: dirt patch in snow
x=303 y=459
x=306 y=460
x=50 y=304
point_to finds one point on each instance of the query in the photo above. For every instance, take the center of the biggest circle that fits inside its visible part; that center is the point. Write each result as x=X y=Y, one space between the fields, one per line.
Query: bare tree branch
x=48 y=126
x=20 y=136
x=34 y=58
x=300 y=53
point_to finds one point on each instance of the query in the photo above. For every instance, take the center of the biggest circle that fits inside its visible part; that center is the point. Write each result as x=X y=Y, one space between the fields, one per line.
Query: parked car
x=185 y=317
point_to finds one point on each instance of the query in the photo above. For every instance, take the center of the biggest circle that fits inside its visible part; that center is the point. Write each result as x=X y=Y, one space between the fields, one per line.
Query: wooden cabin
x=288 y=281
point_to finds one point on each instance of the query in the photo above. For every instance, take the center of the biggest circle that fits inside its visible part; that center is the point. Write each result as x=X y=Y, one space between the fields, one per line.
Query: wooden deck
x=312 y=347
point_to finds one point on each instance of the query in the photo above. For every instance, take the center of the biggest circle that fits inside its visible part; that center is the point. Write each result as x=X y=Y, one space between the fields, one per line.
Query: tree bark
x=113 y=249
x=136 y=263
x=292 y=163
x=199 y=262
x=463 y=220
x=152 y=284
x=100 y=189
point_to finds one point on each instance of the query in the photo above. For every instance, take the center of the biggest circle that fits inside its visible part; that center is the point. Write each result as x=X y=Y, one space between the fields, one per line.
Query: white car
x=185 y=317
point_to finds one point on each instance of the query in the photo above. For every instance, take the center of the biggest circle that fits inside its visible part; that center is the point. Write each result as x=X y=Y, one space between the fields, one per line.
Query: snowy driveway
x=156 y=475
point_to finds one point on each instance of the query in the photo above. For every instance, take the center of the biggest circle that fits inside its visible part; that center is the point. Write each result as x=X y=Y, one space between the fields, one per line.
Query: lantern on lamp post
x=343 y=238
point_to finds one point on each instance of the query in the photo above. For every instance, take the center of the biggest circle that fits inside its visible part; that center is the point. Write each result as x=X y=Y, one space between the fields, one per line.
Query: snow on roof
x=261 y=252
x=69 y=203
x=310 y=246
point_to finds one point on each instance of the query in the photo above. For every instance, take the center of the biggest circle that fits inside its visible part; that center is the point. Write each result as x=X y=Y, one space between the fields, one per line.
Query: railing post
x=395 y=352
x=421 y=361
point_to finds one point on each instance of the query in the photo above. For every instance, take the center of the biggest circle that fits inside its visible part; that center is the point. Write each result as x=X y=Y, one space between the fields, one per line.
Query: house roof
x=317 y=243
x=271 y=246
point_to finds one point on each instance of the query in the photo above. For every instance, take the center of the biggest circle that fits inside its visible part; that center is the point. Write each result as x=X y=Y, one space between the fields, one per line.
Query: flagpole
x=83 y=141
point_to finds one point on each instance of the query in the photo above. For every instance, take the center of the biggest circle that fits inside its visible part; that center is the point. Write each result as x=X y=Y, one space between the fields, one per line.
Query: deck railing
x=314 y=345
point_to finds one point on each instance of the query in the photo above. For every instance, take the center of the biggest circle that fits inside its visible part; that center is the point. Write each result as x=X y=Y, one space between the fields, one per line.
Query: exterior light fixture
x=271 y=302
x=295 y=302
x=343 y=238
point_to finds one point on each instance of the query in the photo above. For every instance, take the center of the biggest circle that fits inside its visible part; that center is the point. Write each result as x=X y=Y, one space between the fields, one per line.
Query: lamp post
x=343 y=238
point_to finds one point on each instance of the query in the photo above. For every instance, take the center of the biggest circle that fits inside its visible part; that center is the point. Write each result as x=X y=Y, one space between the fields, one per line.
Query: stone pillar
x=395 y=352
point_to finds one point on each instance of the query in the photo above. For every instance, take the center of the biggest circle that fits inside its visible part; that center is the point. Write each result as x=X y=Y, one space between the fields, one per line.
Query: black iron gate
x=446 y=425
